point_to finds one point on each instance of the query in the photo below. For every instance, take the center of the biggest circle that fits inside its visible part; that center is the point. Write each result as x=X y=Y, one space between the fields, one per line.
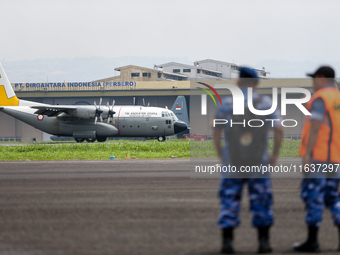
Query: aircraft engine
x=95 y=112
x=84 y=113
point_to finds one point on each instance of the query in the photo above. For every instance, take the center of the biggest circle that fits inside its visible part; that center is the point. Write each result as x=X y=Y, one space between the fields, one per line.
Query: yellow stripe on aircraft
x=4 y=101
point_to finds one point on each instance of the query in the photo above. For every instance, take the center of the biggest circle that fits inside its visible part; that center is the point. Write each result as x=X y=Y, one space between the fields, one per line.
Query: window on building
x=134 y=74
x=198 y=70
x=206 y=72
x=146 y=74
x=186 y=70
x=176 y=70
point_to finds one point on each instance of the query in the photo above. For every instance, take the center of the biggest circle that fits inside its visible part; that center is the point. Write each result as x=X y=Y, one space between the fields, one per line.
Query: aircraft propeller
x=143 y=102
x=111 y=112
x=99 y=112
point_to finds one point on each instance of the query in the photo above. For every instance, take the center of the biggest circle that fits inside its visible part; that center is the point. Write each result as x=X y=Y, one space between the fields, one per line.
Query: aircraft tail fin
x=7 y=95
x=181 y=110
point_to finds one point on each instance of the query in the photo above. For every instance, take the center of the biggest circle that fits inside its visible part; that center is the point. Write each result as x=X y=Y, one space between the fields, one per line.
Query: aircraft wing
x=53 y=110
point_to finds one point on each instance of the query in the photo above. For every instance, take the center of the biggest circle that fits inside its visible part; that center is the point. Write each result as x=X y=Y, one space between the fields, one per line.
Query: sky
x=303 y=33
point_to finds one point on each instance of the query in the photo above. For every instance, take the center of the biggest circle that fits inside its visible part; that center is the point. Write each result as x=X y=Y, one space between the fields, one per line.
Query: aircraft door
x=155 y=127
x=146 y=126
x=169 y=126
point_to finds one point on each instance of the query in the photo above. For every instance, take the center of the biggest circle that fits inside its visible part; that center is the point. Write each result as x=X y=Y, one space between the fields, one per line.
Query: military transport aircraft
x=81 y=122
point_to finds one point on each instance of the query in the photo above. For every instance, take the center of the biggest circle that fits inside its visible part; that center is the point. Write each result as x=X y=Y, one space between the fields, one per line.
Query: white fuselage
x=134 y=121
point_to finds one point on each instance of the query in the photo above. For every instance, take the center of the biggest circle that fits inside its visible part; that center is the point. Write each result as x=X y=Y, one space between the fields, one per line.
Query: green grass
x=96 y=151
x=134 y=149
x=289 y=148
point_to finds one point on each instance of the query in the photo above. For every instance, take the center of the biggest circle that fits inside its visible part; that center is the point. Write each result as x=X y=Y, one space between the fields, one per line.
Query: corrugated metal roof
x=176 y=64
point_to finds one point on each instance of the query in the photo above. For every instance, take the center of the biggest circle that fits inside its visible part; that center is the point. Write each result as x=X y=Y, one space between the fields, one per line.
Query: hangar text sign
x=74 y=85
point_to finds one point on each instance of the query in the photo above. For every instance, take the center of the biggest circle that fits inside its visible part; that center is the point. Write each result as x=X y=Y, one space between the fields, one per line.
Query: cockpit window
x=174 y=117
x=165 y=114
x=169 y=114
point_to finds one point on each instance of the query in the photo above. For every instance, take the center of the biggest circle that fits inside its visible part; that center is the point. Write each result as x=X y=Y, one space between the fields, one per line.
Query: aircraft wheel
x=90 y=140
x=79 y=140
x=101 y=139
x=161 y=139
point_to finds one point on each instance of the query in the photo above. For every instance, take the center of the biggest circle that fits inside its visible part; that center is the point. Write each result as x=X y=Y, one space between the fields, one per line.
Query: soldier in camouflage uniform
x=320 y=145
x=260 y=195
x=260 y=191
x=318 y=193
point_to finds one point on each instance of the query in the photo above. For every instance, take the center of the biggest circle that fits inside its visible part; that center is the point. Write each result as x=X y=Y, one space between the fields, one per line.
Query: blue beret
x=246 y=72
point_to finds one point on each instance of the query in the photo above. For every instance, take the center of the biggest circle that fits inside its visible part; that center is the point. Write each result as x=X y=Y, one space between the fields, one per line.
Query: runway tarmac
x=132 y=207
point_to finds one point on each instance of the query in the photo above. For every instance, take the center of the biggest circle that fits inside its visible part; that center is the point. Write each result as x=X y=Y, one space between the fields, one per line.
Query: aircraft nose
x=180 y=126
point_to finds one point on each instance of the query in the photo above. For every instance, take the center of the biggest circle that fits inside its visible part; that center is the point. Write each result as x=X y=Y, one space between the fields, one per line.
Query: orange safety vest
x=327 y=146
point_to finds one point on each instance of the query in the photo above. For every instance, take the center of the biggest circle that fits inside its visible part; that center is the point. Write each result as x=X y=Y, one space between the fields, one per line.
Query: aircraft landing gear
x=161 y=139
x=79 y=140
x=101 y=139
x=90 y=140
